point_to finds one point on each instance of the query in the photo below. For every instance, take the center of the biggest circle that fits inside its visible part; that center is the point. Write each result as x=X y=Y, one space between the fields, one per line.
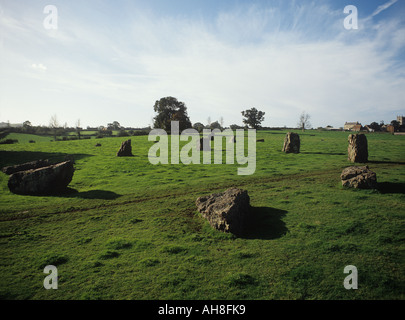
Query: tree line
x=170 y=109
x=382 y=126
x=167 y=109
x=64 y=132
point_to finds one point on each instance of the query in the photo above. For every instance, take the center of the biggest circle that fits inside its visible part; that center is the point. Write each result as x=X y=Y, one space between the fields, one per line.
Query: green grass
x=25 y=138
x=129 y=230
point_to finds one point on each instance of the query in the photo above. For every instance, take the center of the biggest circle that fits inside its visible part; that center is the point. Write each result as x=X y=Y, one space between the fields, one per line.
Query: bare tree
x=54 y=124
x=151 y=123
x=78 y=128
x=303 y=122
x=221 y=121
x=208 y=121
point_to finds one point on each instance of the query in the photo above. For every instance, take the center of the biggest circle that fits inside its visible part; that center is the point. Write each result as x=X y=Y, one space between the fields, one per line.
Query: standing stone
x=227 y=211
x=357 y=150
x=125 y=150
x=291 y=143
x=359 y=177
x=42 y=181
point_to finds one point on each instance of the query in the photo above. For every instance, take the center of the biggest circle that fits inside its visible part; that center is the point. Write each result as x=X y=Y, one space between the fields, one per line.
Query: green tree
x=114 y=126
x=27 y=126
x=198 y=126
x=375 y=126
x=170 y=109
x=235 y=126
x=253 y=118
x=215 y=125
x=395 y=124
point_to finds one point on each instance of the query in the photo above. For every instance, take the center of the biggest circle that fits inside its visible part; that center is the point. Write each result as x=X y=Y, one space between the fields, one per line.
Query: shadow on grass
x=326 y=153
x=265 y=223
x=11 y=158
x=92 y=194
x=391 y=187
x=73 y=193
x=385 y=162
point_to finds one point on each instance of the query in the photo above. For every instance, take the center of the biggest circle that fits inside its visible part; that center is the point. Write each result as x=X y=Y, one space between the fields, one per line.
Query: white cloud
x=282 y=74
x=281 y=63
x=383 y=7
x=39 y=67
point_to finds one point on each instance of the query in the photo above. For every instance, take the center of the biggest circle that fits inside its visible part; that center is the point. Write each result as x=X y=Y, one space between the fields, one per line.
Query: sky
x=108 y=61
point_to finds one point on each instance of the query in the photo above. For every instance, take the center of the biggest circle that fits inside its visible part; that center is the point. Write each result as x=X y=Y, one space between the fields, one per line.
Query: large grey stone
x=42 y=181
x=359 y=177
x=125 y=149
x=227 y=211
x=358 y=149
x=291 y=143
x=26 y=166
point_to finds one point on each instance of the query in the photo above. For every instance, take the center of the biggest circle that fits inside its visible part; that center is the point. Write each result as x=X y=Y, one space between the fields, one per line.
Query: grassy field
x=127 y=229
x=25 y=138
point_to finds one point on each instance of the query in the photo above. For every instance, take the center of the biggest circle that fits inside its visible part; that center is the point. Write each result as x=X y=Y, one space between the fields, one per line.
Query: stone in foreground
x=359 y=177
x=291 y=143
x=125 y=150
x=42 y=181
x=227 y=211
x=26 y=166
x=358 y=149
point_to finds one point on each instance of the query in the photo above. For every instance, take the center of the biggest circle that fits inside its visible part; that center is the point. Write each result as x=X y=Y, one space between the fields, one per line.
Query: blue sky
x=111 y=60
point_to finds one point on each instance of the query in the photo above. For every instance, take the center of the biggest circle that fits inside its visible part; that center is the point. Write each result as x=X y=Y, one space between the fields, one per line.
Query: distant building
x=351 y=125
x=400 y=119
x=356 y=127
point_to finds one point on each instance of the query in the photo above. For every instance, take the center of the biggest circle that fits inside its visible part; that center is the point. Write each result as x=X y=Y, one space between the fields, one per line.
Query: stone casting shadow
x=92 y=194
x=391 y=187
x=265 y=223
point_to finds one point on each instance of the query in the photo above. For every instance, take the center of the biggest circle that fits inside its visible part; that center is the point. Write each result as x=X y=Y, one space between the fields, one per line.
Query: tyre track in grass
x=243 y=183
